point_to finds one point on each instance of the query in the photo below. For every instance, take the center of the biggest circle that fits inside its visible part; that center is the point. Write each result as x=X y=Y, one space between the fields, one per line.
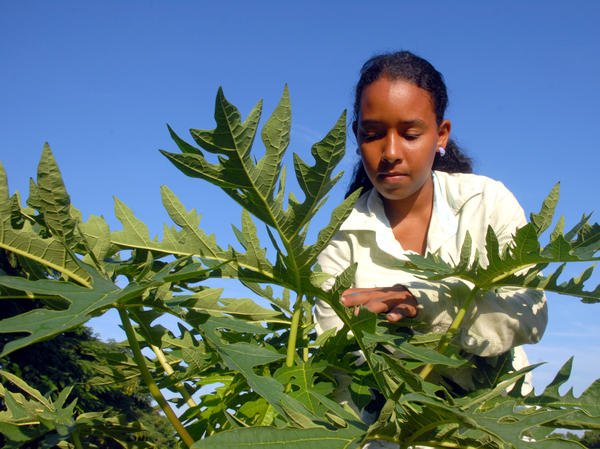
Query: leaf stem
x=451 y=445
x=160 y=356
x=367 y=354
x=76 y=440
x=424 y=429
x=291 y=348
x=449 y=334
x=147 y=377
x=58 y=267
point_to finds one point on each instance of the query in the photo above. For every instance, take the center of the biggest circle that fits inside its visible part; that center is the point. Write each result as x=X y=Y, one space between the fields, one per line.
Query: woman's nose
x=392 y=150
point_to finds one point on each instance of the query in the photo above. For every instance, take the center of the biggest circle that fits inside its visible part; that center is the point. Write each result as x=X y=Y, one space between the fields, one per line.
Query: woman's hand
x=396 y=301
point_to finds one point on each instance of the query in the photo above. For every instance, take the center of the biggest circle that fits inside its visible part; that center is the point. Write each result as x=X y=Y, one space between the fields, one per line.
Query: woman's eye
x=369 y=135
x=412 y=136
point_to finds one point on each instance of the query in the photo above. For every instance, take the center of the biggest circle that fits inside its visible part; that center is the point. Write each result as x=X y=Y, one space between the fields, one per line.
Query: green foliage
x=253 y=376
x=34 y=420
x=98 y=376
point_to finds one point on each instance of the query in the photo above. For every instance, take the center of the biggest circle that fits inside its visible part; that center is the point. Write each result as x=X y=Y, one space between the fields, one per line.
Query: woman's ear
x=444 y=133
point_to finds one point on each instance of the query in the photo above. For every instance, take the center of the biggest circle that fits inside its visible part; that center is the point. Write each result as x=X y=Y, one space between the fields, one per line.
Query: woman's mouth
x=392 y=176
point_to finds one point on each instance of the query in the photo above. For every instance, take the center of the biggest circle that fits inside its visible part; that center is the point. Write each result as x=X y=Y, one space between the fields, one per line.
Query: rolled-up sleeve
x=498 y=320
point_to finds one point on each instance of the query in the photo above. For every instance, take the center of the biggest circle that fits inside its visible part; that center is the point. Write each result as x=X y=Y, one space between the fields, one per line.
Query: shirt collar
x=369 y=215
x=444 y=221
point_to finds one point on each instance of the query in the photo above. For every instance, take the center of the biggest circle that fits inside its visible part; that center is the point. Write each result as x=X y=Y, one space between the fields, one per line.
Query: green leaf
x=253 y=185
x=242 y=357
x=543 y=219
x=308 y=256
x=273 y=438
x=421 y=354
x=282 y=303
x=196 y=360
x=4 y=196
x=97 y=234
x=49 y=252
x=84 y=303
x=208 y=300
x=27 y=389
x=151 y=334
x=54 y=200
x=259 y=412
x=507 y=425
x=276 y=138
x=302 y=379
x=41 y=324
x=182 y=144
x=134 y=232
x=520 y=263
x=315 y=181
x=588 y=402
x=573 y=287
x=232 y=138
x=411 y=379
x=558 y=229
x=255 y=256
x=37 y=418
x=588 y=241
x=191 y=240
x=14 y=433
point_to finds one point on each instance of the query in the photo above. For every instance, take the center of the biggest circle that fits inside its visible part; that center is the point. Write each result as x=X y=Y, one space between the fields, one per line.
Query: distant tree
x=590 y=439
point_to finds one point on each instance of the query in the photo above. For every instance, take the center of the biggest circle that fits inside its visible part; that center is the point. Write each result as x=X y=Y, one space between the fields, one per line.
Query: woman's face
x=398 y=136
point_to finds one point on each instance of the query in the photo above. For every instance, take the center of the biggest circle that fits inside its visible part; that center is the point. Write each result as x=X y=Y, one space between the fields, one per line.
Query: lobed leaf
x=209 y=300
x=49 y=252
x=302 y=379
x=54 y=202
x=84 y=303
x=543 y=219
x=254 y=186
x=42 y=323
x=520 y=263
x=273 y=438
x=588 y=403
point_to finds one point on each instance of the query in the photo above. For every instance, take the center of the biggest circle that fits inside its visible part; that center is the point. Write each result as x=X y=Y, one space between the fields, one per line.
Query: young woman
x=419 y=196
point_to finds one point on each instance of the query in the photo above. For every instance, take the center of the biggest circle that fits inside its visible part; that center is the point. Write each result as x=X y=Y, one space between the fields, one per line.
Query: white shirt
x=462 y=203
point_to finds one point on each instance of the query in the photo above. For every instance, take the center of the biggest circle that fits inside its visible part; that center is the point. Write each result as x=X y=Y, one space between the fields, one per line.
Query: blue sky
x=99 y=81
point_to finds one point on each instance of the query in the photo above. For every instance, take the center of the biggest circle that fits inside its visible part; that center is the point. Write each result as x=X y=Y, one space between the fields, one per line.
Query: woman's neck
x=410 y=217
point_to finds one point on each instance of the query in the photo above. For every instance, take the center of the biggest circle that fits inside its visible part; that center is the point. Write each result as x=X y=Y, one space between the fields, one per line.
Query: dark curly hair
x=406 y=66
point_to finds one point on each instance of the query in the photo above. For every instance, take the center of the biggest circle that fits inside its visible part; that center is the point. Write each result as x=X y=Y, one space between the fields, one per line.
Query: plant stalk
x=449 y=334
x=76 y=440
x=357 y=337
x=160 y=356
x=291 y=348
x=149 y=380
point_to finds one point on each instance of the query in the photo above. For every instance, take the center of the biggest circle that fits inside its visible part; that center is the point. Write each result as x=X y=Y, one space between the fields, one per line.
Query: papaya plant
x=251 y=376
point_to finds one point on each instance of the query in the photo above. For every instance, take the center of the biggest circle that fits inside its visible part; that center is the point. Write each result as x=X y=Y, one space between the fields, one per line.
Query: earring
x=442 y=151
x=358 y=150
